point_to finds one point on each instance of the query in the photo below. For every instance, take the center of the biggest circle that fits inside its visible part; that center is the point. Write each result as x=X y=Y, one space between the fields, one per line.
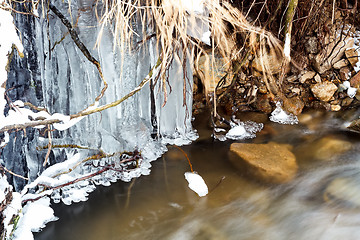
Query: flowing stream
x=321 y=202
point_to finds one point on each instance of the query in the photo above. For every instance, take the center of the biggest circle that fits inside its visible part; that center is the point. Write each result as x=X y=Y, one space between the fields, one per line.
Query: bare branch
x=81 y=46
x=12 y=173
x=29 y=124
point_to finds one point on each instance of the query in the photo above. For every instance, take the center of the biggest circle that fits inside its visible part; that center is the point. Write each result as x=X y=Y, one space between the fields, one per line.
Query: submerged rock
x=323 y=149
x=343 y=191
x=355 y=125
x=271 y=162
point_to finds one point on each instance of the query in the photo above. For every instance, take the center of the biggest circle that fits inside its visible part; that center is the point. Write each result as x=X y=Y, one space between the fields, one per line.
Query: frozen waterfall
x=56 y=75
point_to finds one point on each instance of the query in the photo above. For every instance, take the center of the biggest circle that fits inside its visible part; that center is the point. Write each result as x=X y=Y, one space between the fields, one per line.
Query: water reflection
x=321 y=203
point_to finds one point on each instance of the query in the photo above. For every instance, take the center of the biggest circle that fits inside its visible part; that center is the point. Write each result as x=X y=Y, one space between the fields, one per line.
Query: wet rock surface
x=323 y=149
x=343 y=191
x=271 y=162
x=355 y=125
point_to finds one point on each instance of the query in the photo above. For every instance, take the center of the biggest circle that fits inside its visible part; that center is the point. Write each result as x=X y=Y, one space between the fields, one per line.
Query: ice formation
x=196 y=6
x=196 y=183
x=64 y=82
x=243 y=130
x=357 y=48
x=280 y=116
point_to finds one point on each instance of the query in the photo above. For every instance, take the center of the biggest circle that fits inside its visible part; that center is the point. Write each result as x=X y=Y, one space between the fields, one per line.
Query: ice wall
x=59 y=77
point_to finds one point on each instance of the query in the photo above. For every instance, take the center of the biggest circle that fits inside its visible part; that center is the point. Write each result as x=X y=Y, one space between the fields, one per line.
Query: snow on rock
x=243 y=130
x=196 y=183
x=11 y=209
x=6 y=42
x=10 y=212
x=35 y=216
x=280 y=116
x=351 y=91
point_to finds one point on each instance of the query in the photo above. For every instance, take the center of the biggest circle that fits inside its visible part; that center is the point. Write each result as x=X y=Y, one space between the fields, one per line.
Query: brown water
x=315 y=205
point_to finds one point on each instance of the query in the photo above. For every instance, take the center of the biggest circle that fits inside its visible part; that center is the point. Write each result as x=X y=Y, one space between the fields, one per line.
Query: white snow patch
x=351 y=91
x=35 y=216
x=196 y=6
x=280 y=116
x=206 y=38
x=4 y=187
x=196 y=183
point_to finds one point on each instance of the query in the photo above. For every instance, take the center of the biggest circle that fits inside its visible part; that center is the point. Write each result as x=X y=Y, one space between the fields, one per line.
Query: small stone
x=355 y=80
x=292 y=78
x=335 y=108
x=346 y=102
x=271 y=162
x=296 y=91
x=317 y=78
x=311 y=46
x=340 y=64
x=352 y=55
x=263 y=89
x=344 y=73
x=335 y=102
x=263 y=104
x=324 y=91
x=305 y=118
x=241 y=90
x=293 y=105
x=306 y=76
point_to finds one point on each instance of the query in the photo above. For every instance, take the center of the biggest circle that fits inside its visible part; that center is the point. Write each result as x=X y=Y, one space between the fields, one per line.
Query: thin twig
x=127 y=203
x=49 y=147
x=12 y=173
x=66 y=184
x=191 y=168
x=117 y=102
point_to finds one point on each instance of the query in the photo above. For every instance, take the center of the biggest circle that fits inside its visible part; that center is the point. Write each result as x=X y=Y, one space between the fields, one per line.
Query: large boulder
x=271 y=162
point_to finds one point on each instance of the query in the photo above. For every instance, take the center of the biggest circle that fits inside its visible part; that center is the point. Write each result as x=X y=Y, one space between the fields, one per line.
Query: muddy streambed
x=321 y=202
